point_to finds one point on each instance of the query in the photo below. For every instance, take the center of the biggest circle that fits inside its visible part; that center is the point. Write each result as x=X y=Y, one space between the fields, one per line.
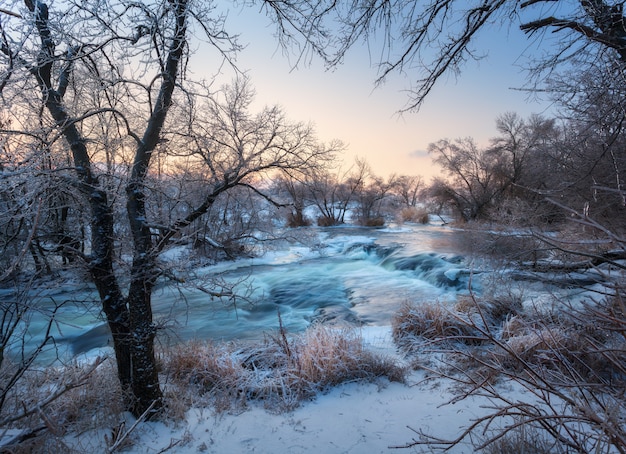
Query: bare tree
x=229 y=147
x=371 y=197
x=408 y=189
x=332 y=193
x=98 y=83
x=474 y=185
x=165 y=32
x=296 y=192
x=435 y=38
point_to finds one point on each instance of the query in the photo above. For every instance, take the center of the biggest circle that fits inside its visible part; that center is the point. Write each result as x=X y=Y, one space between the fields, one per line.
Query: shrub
x=494 y=310
x=50 y=402
x=372 y=222
x=280 y=371
x=524 y=440
x=416 y=325
x=297 y=220
x=329 y=357
x=570 y=367
x=413 y=214
x=326 y=221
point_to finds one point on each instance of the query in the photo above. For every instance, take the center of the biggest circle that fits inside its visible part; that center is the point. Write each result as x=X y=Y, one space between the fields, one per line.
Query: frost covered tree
x=332 y=192
x=104 y=84
x=407 y=189
x=432 y=39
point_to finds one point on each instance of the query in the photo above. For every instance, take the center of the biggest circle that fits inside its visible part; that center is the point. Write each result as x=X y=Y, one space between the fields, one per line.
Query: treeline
x=537 y=171
x=221 y=179
x=45 y=224
x=332 y=197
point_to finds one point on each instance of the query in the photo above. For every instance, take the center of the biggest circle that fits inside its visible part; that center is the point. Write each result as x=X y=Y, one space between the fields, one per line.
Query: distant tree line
x=534 y=172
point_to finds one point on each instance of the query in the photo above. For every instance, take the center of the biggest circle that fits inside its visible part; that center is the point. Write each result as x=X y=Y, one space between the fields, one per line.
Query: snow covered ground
x=351 y=418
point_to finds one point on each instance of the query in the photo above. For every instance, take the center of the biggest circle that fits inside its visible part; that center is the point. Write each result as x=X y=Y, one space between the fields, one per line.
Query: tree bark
x=144 y=273
x=100 y=261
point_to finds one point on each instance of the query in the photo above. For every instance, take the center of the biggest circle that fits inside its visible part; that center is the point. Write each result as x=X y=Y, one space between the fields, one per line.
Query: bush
x=50 y=402
x=297 y=220
x=326 y=221
x=280 y=372
x=372 y=222
x=417 y=325
x=413 y=214
x=570 y=366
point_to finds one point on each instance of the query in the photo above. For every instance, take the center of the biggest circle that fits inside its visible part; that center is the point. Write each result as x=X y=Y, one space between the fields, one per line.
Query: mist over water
x=354 y=276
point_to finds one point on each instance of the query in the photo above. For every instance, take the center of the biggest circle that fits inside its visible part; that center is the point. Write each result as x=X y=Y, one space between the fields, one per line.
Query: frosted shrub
x=570 y=367
x=206 y=372
x=416 y=325
x=48 y=403
x=372 y=222
x=326 y=221
x=281 y=371
x=413 y=214
x=329 y=357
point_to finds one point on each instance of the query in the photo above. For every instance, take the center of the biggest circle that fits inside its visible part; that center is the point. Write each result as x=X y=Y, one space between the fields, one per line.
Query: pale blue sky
x=344 y=104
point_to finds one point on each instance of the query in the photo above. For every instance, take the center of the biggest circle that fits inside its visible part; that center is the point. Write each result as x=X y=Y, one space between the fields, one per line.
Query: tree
x=235 y=148
x=435 y=38
x=332 y=193
x=408 y=188
x=296 y=192
x=592 y=102
x=529 y=155
x=474 y=185
x=102 y=83
x=371 y=196
x=129 y=316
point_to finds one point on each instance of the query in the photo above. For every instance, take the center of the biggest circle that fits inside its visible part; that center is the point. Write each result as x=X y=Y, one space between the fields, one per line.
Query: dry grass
x=417 y=325
x=413 y=214
x=280 y=372
x=571 y=366
x=329 y=357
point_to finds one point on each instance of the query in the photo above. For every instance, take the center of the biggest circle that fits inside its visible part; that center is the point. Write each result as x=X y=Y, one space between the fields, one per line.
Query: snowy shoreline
x=354 y=417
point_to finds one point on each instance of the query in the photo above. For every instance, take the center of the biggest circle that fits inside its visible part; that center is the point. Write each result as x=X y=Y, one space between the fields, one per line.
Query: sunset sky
x=344 y=104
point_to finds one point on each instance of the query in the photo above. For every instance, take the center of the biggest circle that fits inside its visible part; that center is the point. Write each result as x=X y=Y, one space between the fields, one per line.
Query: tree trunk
x=129 y=318
x=100 y=262
x=146 y=391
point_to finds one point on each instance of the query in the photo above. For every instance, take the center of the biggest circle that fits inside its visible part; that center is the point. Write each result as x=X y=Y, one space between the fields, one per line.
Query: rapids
x=347 y=275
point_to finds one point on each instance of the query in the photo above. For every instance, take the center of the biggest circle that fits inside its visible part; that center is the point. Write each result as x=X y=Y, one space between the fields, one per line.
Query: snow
x=354 y=417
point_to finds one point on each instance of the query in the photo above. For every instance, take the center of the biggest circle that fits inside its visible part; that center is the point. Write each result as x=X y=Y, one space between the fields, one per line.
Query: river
x=344 y=275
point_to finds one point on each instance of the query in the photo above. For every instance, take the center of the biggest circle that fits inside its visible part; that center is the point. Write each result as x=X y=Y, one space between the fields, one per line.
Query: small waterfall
x=439 y=270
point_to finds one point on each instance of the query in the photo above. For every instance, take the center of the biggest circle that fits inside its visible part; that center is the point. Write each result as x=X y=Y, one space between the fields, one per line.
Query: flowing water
x=350 y=275
x=356 y=276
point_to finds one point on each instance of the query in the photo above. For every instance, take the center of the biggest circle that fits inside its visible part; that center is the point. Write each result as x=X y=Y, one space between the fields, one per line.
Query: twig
x=80 y=381
x=120 y=440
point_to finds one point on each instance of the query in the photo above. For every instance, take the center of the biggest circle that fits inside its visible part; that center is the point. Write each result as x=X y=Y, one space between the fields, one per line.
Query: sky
x=344 y=103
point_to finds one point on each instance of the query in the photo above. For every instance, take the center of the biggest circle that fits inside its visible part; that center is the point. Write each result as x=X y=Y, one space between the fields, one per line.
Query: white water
x=351 y=275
